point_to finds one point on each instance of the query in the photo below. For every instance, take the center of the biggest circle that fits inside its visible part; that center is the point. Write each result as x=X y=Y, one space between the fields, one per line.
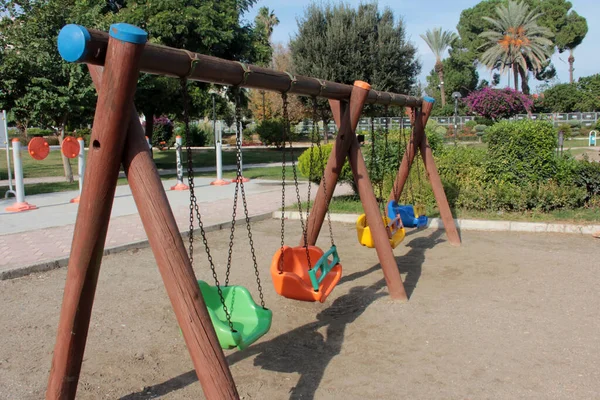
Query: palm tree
x=438 y=41
x=267 y=20
x=516 y=41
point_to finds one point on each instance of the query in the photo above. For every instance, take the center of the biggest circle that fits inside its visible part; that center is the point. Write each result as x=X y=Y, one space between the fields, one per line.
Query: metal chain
x=285 y=105
x=409 y=142
x=321 y=160
x=240 y=183
x=286 y=123
x=375 y=165
x=385 y=158
x=194 y=204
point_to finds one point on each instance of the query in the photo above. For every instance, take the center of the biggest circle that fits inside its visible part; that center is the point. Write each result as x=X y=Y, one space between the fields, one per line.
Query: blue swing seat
x=411 y=216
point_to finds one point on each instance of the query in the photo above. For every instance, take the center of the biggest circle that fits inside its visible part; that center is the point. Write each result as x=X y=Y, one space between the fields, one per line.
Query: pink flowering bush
x=498 y=104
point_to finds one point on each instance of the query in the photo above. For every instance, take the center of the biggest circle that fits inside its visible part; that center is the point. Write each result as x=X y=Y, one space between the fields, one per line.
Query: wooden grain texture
x=104 y=159
x=346 y=122
x=173 y=261
x=169 y=61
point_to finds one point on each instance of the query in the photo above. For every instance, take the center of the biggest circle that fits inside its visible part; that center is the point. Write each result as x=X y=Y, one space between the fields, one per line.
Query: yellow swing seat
x=394 y=227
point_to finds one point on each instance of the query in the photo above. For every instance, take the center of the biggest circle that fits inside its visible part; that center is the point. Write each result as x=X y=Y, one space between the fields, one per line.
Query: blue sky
x=420 y=16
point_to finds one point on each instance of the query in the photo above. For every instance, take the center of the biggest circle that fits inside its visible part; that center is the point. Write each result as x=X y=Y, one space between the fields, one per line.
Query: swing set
x=211 y=317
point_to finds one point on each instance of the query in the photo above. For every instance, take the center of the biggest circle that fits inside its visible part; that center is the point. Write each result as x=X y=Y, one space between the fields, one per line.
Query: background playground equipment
x=180 y=185
x=292 y=271
x=393 y=224
x=117 y=137
x=418 y=143
x=20 y=203
x=80 y=163
x=592 y=138
x=4 y=142
x=218 y=132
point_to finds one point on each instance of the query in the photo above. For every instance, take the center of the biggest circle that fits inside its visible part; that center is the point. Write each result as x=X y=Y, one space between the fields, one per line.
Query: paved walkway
x=44 y=235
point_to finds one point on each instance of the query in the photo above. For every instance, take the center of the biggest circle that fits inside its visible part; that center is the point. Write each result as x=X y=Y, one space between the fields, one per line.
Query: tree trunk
x=440 y=69
x=524 y=81
x=515 y=68
x=571 y=61
x=65 y=160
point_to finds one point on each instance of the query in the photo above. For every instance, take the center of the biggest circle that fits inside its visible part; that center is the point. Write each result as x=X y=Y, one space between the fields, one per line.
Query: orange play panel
x=38 y=148
x=70 y=147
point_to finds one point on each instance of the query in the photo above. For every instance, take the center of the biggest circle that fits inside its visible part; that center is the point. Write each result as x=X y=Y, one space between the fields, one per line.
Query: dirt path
x=505 y=316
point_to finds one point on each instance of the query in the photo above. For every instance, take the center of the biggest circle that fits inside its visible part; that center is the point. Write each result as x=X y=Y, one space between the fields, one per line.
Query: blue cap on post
x=128 y=33
x=429 y=99
x=72 y=42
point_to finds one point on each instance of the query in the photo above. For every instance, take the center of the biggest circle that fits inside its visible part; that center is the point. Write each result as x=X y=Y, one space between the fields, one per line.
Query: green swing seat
x=250 y=321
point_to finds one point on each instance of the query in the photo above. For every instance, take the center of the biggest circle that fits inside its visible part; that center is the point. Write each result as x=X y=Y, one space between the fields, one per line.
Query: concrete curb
x=479 y=225
x=44 y=266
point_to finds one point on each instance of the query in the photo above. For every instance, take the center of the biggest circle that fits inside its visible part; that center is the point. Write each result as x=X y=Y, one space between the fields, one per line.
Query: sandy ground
x=505 y=316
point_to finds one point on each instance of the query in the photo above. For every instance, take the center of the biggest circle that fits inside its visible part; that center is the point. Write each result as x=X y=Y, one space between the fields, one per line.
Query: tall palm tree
x=267 y=20
x=438 y=41
x=516 y=41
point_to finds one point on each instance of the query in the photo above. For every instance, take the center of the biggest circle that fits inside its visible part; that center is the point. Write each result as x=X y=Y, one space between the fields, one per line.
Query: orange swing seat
x=291 y=277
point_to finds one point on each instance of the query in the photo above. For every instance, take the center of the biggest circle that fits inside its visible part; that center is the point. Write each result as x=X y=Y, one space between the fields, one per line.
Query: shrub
x=197 y=135
x=162 y=132
x=498 y=104
x=317 y=168
x=521 y=151
x=566 y=129
x=270 y=132
x=587 y=176
x=34 y=132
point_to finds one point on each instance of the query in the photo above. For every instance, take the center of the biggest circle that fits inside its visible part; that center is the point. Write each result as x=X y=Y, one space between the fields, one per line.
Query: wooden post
x=346 y=118
x=419 y=142
x=439 y=193
x=419 y=119
x=113 y=110
x=173 y=262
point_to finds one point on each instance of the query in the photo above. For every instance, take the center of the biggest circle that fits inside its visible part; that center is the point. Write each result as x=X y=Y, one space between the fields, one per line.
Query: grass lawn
x=52 y=165
x=252 y=173
x=351 y=205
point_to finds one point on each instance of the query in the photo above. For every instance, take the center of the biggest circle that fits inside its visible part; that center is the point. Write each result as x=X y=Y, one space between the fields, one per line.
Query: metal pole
x=148 y=141
x=5 y=127
x=178 y=146
x=162 y=60
x=218 y=153
x=80 y=167
x=20 y=204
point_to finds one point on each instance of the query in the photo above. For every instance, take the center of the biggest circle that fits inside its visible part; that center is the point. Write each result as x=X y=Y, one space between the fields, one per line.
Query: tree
x=563 y=97
x=460 y=75
x=268 y=105
x=570 y=36
x=206 y=27
x=516 y=41
x=342 y=44
x=36 y=83
x=438 y=42
x=265 y=21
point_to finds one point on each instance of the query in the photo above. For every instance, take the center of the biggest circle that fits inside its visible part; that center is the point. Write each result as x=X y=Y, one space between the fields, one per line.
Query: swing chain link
x=194 y=205
x=321 y=160
x=285 y=105
x=240 y=184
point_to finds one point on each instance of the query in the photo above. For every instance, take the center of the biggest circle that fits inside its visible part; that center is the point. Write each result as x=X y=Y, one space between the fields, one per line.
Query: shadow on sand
x=296 y=351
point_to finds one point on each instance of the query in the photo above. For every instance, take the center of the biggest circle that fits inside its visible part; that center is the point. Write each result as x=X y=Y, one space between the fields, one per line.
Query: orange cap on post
x=362 y=85
x=15 y=140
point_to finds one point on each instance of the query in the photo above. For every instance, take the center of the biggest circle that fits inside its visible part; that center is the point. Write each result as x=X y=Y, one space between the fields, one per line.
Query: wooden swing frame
x=118 y=139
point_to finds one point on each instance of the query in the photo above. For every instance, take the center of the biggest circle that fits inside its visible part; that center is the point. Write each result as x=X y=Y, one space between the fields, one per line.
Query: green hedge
x=521 y=151
x=304 y=164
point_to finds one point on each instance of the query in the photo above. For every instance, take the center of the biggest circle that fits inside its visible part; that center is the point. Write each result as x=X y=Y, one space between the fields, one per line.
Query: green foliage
x=566 y=130
x=587 y=176
x=270 y=132
x=319 y=159
x=583 y=96
x=163 y=132
x=197 y=134
x=460 y=75
x=343 y=44
x=39 y=132
x=521 y=151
